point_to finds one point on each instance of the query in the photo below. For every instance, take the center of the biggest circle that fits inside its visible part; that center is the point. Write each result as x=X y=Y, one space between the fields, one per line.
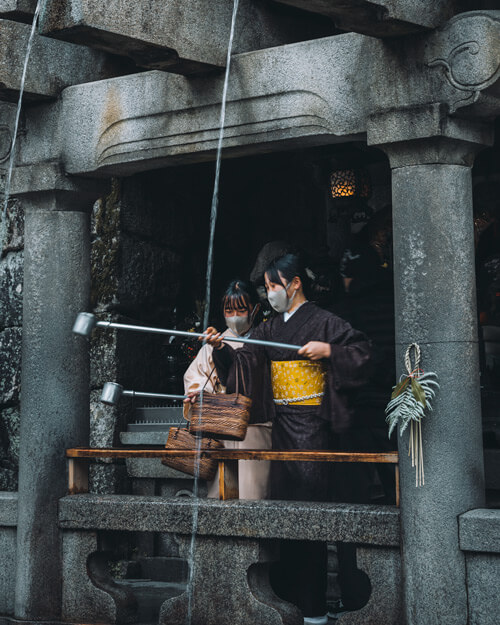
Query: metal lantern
x=350 y=184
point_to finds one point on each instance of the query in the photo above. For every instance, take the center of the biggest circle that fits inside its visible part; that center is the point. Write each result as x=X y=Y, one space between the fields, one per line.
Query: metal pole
x=85 y=322
x=152 y=395
x=112 y=392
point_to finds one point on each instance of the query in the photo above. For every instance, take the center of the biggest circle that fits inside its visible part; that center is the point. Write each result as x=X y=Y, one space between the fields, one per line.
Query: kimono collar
x=287 y=315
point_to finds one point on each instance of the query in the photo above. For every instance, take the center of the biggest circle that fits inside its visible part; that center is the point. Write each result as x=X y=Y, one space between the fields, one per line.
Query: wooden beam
x=304 y=455
x=78 y=460
x=78 y=475
x=228 y=480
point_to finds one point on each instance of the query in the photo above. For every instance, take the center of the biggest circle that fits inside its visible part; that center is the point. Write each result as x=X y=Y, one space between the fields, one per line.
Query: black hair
x=289 y=266
x=239 y=295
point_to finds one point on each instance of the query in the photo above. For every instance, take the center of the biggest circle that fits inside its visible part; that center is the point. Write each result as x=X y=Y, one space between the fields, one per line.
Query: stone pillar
x=54 y=380
x=435 y=306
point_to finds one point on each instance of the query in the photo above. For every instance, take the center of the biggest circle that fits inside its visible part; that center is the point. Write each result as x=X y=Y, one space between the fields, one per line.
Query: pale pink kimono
x=253 y=475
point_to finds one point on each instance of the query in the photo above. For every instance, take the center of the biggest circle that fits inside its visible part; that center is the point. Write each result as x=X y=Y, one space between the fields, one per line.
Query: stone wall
x=11 y=294
x=140 y=233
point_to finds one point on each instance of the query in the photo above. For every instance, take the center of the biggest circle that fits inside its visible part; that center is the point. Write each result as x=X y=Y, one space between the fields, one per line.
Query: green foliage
x=410 y=398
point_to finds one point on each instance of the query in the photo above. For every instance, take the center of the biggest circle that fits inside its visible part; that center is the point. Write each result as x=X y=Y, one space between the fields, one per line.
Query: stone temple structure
x=109 y=209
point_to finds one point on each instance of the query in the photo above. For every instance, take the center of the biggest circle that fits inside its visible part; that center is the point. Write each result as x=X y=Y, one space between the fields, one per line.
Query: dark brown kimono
x=302 y=575
x=347 y=368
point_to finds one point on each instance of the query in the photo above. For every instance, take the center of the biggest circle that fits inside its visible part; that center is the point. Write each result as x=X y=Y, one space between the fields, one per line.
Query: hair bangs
x=237 y=301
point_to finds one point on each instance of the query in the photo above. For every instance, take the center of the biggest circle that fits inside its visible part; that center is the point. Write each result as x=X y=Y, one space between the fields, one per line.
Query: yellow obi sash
x=297 y=382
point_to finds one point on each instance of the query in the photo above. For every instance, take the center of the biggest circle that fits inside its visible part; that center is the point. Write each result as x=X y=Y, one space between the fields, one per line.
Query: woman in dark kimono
x=306 y=394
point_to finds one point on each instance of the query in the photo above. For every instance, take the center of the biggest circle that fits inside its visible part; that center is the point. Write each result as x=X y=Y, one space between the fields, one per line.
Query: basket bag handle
x=239 y=372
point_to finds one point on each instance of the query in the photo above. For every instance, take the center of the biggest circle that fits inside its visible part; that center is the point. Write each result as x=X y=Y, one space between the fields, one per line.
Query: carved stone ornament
x=467 y=50
x=5 y=143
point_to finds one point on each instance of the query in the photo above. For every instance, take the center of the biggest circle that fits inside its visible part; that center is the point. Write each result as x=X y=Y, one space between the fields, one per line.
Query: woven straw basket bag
x=223 y=415
x=180 y=438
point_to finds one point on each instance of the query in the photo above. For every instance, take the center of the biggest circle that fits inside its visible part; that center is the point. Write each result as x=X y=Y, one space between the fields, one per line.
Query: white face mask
x=279 y=300
x=239 y=325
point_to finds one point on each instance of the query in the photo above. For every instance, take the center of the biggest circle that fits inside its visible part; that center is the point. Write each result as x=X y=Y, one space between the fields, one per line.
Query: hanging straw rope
x=410 y=398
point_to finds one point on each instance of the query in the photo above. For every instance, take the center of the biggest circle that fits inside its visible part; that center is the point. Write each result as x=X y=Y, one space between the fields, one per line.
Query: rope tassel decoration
x=410 y=399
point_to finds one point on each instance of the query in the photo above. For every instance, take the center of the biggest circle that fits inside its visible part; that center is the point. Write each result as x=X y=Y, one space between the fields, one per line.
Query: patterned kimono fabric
x=319 y=408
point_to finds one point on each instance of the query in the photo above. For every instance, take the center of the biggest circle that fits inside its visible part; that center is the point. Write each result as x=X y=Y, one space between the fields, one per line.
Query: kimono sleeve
x=198 y=372
x=246 y=370
x=350 y=359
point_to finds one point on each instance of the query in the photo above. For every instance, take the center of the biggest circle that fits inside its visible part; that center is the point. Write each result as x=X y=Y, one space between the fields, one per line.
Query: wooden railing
x=78 y=460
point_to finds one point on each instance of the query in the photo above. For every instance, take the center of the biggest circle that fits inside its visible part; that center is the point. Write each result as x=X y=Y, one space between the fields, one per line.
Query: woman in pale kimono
x=240 y=308
x=307 y=394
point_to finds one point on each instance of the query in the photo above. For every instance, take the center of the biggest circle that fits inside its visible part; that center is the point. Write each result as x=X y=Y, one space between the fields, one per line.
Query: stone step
x=150 y=595
x=164 y=569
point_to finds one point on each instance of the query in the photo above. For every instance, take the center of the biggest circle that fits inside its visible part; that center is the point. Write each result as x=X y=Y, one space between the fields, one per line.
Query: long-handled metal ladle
x=86 y=322
x=112 y=391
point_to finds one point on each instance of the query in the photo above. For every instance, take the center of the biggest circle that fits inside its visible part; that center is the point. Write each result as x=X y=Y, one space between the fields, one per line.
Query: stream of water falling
x=213 y=219
x=208 y=290
x=8 y=178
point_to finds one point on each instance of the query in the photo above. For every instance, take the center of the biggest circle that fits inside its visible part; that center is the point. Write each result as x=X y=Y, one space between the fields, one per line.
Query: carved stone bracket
x=230 y=585
x=383 y=567
x=466 y=51
x=48 y=180
x=89 y=593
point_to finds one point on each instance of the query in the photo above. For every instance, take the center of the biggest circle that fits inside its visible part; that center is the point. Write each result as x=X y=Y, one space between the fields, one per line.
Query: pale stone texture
x=385 y=605
x=54 y=64
x=480 y=531
x=153 y=468
x=239 y=532
x=480 y=539
x=8 y=509
x=483 y=580
x=280 y=98
x=7 y=570
x=260 y=519
x=241 y=593
x=82 y=599
x=434 y=252
x=54 y=412
x=177 y=36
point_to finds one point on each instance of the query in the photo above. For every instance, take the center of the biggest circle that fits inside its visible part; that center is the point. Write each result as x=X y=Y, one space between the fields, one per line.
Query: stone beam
x=53 y=64
x=176 y=36
x=277 y=97
x=310 y=93
x=290 y=520
x=380 y=18
x=18 y=10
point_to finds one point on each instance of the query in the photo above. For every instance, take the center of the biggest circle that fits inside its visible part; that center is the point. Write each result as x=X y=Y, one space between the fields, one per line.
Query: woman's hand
x=316 y=350
x=212 y=336
x=191 y=397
